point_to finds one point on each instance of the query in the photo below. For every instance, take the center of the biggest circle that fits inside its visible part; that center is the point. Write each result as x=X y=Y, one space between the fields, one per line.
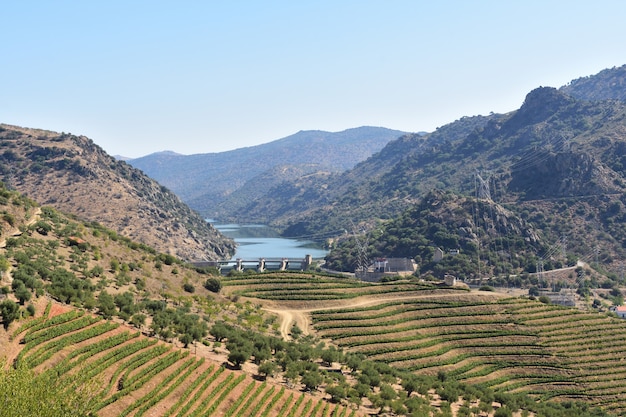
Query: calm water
x=259 y=241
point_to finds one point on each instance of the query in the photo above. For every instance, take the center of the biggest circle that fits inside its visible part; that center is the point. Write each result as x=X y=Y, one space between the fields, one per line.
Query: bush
x=10 y=311
x=544 y=299
x=189 y=287
x=503 y=412
x=31 y=309
x=213 y=284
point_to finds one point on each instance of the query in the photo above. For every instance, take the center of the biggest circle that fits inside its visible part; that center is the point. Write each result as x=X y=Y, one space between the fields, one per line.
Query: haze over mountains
x=211 y=183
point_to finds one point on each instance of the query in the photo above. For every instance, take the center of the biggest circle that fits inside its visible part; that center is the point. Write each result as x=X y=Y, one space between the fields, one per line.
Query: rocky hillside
x=76 y=176
x=486 y=239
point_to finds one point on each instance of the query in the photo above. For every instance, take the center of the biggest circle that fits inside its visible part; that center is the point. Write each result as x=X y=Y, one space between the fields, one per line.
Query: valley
x=514 y=225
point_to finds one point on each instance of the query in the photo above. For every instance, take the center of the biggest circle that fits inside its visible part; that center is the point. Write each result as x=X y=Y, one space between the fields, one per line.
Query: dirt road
x=302 y=317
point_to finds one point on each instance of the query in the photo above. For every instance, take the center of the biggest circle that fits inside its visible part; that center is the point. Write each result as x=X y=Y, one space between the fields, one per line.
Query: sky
x=139 y=77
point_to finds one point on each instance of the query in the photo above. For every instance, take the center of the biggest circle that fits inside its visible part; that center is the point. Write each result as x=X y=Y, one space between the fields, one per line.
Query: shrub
x=213 y=284
x=544 y=299
x=31 y=309
x=9 y=218
x=9 y=311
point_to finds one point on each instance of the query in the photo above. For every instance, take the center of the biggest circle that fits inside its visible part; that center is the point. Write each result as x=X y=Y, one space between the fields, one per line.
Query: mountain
x=206 y=181
x=76 y=176
x=326 y=203
x=558 y=162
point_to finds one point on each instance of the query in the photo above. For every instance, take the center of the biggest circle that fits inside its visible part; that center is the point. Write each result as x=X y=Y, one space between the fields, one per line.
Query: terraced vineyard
x=298 y=287
x=512 y=345
x=131 y=375
x=509 y=344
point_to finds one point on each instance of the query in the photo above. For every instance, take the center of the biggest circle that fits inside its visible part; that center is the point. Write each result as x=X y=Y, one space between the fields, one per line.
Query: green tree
x=220 y=331
x=410 y=384
x=238 y=355
x=213 y=284
x=186 y=339
x=106 y=305
x=42 y=227
x=545 y=299
x=267 y=368
x=10 y=311
x=115 y=265
x=138 y=320
x=22 y=294
x=384 y=398
x=311 y=380
x=336 y=392
x=4 y=264
x=329 y=356
x=503 y=412
x=296 y=331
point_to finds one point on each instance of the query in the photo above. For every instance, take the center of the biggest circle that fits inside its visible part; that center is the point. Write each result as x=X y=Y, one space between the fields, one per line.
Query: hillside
x=488 y=240
x=546 y=355
x=111 y=327
x=207 y=181
x=57 y=273
x=76 y=176
x=549 y=132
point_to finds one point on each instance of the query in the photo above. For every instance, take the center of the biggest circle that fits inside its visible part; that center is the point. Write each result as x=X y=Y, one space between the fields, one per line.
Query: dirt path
x=301 y=316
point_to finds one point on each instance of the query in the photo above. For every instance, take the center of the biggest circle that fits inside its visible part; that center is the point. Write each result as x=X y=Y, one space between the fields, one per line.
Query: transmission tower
x=540 y=270
x=362 y=243
x=482 y=188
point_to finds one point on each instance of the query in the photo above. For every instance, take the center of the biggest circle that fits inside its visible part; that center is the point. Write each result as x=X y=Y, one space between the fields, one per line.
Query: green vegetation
x=449 y=222
x=435 y=343
x=130 y=362
x=22 y=392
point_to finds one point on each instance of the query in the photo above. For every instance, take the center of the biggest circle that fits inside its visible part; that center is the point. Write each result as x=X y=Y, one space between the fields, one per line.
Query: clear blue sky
x=206 y=76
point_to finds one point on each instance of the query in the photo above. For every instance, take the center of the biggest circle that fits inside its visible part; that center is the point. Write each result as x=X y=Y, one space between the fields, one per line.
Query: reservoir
x=256 y=241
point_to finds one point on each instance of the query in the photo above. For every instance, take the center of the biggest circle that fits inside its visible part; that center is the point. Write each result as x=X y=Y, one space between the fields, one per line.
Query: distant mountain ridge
x=205 y=181
x=76 y=176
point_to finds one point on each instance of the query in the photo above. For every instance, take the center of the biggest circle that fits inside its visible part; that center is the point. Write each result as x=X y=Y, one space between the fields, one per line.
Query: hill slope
x=76 y=176
x=113 y=363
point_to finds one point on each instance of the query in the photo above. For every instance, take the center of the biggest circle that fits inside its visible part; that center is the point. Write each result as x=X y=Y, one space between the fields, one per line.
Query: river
x=256 y=241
